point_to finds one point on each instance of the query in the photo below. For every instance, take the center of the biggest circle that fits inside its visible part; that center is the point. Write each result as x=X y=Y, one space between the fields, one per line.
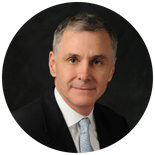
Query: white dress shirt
x=72 y=118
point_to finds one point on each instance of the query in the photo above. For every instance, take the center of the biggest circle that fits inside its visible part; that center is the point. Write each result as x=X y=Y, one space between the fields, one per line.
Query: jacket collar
x=103 y=127
x=55 y=125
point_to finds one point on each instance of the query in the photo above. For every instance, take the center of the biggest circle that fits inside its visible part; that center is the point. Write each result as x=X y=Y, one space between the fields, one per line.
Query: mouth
x=83 y=88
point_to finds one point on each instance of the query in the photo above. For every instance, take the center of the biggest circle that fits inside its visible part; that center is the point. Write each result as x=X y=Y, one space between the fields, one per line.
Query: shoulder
x=31 y=119
x=112 y=119
x=29 y=114
x=30 y=106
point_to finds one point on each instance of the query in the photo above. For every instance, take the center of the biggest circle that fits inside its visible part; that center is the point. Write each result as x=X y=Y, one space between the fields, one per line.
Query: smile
x=83 y=88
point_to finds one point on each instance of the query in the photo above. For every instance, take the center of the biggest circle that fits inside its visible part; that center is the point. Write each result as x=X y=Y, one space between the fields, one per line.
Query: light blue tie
x=85 y=145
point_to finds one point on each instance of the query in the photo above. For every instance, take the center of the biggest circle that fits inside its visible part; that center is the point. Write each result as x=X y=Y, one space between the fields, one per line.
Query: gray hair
x=84 y=22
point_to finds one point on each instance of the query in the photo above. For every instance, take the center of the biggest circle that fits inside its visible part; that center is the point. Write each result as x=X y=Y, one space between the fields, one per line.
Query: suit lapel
x=103 y=128
x=55 y=125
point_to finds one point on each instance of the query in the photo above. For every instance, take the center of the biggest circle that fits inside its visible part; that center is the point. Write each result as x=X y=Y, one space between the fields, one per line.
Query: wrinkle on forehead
x=86 y=43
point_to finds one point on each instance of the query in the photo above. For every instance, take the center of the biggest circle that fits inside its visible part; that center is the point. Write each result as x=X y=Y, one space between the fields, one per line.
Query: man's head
x=83 y=60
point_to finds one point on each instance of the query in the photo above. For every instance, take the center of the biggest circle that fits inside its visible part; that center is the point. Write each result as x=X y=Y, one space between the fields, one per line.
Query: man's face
x=83 y=67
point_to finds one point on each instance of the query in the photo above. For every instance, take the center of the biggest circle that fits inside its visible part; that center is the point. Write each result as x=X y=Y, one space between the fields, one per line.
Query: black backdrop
x=26 y=74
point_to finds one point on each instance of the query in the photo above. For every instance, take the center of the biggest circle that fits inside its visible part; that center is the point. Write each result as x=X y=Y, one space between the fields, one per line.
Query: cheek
x=102 y=83
x=64 y=75
x=101 y=74
x=102 y=80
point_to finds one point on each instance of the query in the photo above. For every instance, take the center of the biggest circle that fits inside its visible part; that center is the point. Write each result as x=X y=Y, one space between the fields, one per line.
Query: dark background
x=26 y=74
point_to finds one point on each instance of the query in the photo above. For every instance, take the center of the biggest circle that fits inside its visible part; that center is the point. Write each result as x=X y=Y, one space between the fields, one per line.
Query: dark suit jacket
x=43 y=121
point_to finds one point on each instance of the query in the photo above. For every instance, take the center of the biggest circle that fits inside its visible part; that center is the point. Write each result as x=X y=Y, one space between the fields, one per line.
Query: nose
x=84 y=72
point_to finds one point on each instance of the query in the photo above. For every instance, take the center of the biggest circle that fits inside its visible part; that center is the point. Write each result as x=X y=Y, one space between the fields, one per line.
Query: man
x=67 y=118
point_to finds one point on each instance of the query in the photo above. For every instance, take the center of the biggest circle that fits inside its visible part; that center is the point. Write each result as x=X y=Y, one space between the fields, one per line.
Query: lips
x=84 y=88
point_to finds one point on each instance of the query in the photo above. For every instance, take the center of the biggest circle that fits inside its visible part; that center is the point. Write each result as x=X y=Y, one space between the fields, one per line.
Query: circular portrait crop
x=77 y=77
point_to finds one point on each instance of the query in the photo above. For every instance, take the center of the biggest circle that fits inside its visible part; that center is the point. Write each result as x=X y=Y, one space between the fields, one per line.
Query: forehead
x=85 y=42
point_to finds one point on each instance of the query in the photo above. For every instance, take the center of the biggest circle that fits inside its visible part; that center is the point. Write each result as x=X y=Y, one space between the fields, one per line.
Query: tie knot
x=84 y=125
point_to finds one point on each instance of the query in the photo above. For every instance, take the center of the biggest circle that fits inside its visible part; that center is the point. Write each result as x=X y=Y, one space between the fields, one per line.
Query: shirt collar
x=71 y=116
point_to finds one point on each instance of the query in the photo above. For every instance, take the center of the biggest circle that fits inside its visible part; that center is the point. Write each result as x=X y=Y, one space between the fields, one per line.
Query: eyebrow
x=76 y=55
x=100 y=57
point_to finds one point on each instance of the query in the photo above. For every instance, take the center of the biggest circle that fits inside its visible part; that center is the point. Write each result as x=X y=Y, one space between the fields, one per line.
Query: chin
x=84 y=101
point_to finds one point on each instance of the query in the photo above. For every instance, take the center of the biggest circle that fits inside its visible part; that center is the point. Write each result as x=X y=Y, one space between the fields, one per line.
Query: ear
x=112 y=70
x=52 y=64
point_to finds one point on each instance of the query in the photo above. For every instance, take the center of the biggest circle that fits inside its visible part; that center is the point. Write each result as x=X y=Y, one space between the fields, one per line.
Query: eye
x=73 y=60
x=96 y=62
